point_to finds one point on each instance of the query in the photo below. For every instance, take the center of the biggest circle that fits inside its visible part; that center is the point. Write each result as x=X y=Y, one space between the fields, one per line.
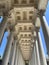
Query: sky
x=4 y=41
x=47 y=13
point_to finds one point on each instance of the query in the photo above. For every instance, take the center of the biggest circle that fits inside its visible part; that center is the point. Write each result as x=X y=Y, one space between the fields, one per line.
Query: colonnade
x=38 y=55
x=12 y=55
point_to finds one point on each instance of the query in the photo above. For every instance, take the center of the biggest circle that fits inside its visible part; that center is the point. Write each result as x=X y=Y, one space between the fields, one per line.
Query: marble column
x=37 y=53
x=3 y=26
x=20 y=58
x=6 y=56
x=13 y=53
x=45 y=31
x=41 y=51
x=16 y=56
x=32 y=60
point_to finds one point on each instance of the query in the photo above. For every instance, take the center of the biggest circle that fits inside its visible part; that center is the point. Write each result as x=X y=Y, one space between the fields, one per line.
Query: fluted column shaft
x=41 y=51
x=13 y=53
x=37 y=53
x=16 y=56
x=45 y=31
x=5 y=60
x=20 y=58
x=32 y=60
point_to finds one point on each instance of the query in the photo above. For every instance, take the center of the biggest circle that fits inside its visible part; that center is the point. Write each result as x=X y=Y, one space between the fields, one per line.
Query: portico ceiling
x=24 y=19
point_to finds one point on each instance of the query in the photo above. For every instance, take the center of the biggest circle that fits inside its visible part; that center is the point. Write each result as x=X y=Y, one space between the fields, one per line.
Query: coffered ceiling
x=23 y=18
x=25 y=23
